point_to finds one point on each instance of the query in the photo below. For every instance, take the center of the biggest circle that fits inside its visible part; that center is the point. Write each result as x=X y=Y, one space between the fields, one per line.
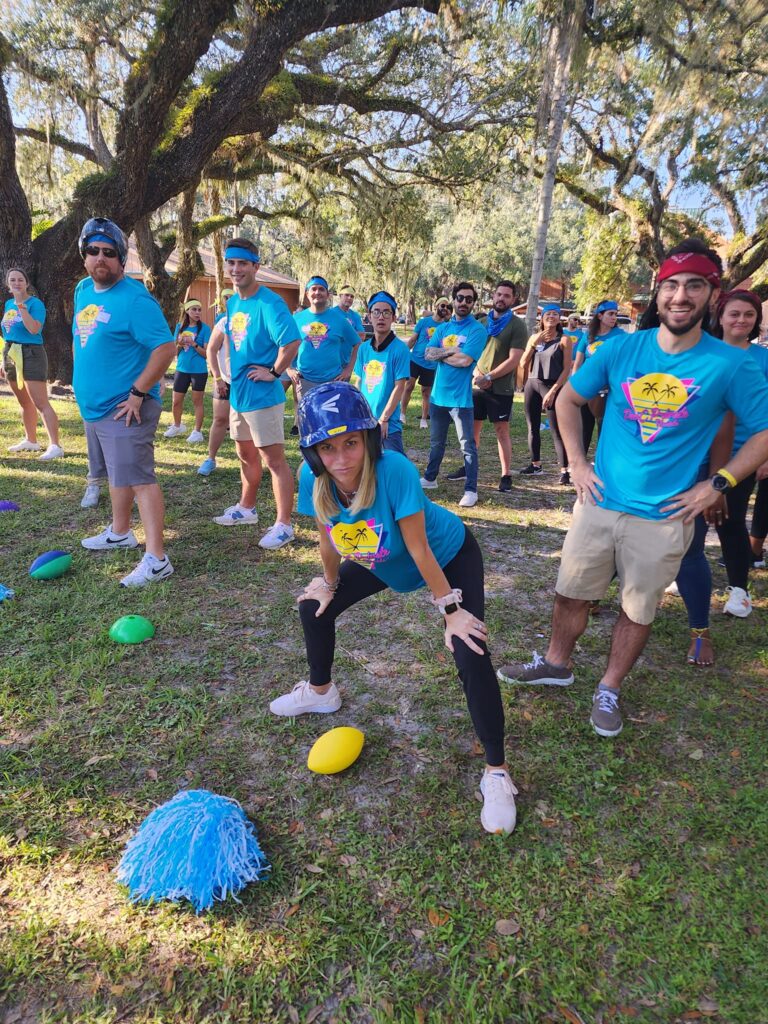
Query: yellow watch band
x=728 y=476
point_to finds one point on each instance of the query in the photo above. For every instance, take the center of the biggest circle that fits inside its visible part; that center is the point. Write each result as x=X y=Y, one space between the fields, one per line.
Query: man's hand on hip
x=130 y=408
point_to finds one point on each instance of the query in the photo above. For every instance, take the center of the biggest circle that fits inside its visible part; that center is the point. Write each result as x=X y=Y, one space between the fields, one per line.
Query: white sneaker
x=468 y=499
x=174 y=431
x=107 y=540
x=423 y=424
x=53 y=451
x=236 y=515
x=150 y=569
x=195 y=437
x=277 y=536
x=499 y=814
x=303 y=699
x=739 y=603
x=25 y=446
x=91 y=496
x=672 y=589
x=428 y=485
x=402 y=417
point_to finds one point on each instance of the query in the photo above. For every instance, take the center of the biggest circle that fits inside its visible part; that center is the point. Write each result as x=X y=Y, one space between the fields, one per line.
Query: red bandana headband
x=689 y=263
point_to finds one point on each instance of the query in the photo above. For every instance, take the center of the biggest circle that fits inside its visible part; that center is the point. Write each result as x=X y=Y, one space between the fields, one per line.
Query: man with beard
x=668 y=390
x=493 y=381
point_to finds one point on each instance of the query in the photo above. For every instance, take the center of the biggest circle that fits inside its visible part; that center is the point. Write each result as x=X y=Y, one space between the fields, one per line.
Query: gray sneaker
x=606 y=717
x=538 y=672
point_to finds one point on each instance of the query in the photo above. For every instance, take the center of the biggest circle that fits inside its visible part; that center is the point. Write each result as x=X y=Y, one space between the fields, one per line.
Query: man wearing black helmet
x=122 y=348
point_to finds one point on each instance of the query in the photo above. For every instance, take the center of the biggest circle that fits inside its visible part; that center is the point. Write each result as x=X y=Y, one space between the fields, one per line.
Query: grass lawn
x=632 y=890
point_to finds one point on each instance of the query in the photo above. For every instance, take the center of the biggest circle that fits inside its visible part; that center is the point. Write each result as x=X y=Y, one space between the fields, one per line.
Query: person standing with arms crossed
x=422 y=370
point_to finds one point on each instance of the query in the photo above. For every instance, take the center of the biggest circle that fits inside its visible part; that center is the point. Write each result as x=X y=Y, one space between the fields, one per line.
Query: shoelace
x=499 y=781
x=537 y=660
x=607 y=700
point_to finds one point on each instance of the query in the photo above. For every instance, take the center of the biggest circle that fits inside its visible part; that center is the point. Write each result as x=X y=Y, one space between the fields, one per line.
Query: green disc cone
x=132 y=629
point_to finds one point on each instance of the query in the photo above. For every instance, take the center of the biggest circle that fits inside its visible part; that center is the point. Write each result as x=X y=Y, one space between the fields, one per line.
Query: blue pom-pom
x=198 y=846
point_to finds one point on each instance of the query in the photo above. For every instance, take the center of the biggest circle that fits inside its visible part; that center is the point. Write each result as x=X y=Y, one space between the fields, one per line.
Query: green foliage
x=609 y=265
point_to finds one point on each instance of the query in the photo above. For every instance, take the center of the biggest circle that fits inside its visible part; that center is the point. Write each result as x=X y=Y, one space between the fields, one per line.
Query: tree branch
x=55 y=139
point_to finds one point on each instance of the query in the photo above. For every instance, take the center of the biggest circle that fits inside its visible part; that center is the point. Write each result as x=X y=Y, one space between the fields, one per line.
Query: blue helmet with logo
x=109 y=231
x=330 y=410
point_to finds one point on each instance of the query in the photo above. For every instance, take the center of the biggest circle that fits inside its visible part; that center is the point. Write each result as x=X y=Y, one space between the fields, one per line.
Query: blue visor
x=383 y=297
x=234 y=252
x=607 y=306
x=550 y=307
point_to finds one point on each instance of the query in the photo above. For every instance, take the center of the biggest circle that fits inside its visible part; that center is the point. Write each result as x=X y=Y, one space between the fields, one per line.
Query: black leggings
x=759 y=528
x=481 y=687
x=535 y=390
x=587 y=426
x=734 y=539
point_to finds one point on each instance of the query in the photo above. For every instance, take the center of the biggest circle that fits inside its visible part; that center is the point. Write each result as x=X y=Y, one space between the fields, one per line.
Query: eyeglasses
x=382 y=312
x=97 y=250
x=466 y=300
x=443 y=309
x=694 y=286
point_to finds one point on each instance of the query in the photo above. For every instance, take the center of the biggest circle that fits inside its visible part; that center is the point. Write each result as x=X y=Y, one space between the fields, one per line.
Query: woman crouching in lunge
x=377 y=530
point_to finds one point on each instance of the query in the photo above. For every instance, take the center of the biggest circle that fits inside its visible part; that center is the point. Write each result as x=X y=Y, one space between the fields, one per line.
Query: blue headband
x=234 y=252
x=317 y=280
x=383 y=297
x=101 y=238
x=607 y=306
x=550 y=307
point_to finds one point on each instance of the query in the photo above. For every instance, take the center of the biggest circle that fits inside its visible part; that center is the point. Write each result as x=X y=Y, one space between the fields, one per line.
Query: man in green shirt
x=493 y=384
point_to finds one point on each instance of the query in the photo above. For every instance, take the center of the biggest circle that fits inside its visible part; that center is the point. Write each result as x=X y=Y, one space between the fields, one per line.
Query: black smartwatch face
x=720 y=483
x=450 y=609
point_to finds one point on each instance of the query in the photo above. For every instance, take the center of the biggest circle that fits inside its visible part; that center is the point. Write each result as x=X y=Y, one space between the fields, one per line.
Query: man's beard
x=680 y=329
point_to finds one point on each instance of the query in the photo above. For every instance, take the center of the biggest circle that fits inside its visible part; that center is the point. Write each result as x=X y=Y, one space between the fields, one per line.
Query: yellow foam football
x=335 y=750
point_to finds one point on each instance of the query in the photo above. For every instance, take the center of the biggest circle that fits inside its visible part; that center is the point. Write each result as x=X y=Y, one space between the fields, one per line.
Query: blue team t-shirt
x=424 y=330
x=741 y=434
x=662 y=413
x=13 y=328
x=188 y=359
x=372 y=537
x=588 y=348
x=257 y=327
x=379 y=371
x=354 y=319
x=327 y=342
x=114 y=333
x=453 y=384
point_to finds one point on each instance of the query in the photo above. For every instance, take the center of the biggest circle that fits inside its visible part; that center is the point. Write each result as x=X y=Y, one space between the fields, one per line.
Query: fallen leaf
x=295 y=826
x=387 y=1007
x=313 y=1014
x=22 y=833
x=418 y=933
x=347 y=860
x=583 y=929
x=117 y=990
x=314 y=868
x=696 y=755
x=628 y=1011
x=292 y=910
x=528 y=716
x=685 y=785
x=97 y=758
x=168 y=983
x=326 y=814
x=708 y=1006
x=571 y=1015
x=736 y=753
x=293 y=1015
x=420 y=1014
x=507 y=926
x=492 y=947
x=152 y=774
x=438 y=917
x=549 y=822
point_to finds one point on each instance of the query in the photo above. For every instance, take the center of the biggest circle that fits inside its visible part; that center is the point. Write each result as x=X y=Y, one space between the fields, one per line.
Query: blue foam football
x=50 y=565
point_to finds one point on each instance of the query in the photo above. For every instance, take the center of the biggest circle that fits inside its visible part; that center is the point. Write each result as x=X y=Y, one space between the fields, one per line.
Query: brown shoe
x=538 y=672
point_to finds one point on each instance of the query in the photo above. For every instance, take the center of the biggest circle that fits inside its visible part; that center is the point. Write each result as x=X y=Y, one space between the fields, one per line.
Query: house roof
x=266 y=275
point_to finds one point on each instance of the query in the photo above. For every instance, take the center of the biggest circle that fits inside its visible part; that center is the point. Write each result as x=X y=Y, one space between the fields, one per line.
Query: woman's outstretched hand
x=465 y=626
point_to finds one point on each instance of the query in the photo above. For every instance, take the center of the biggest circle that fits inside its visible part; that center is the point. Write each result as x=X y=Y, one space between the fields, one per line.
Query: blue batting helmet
x=330 y=410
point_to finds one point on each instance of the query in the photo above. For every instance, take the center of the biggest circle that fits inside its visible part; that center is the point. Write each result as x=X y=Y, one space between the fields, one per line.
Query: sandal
x=701 y=652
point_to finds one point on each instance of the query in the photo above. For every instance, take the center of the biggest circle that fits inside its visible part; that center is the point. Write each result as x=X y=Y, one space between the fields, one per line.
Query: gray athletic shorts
x=125 y=455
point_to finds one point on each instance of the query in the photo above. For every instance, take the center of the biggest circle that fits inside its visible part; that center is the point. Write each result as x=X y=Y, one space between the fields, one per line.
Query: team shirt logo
x=238 y=328
x=593 y=347
x=316 y=332
x=430 y=332
x=658 y=401
x=360 y=541
x=187 y=338
x=453 y=340
x=373 y=373
x=87 y=320
x=11 y=317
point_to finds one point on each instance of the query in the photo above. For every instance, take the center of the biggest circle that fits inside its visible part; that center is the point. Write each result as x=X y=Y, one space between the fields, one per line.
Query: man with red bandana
x=668 y=390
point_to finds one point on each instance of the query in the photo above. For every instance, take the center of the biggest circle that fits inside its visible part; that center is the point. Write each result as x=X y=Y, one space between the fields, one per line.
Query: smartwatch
x=138 y=394
x=273 y=371
x=450 y=608
x=720 y=483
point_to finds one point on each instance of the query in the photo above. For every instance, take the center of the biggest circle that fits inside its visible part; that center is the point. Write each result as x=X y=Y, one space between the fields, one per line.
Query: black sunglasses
x=95 y=250
x=467 y=300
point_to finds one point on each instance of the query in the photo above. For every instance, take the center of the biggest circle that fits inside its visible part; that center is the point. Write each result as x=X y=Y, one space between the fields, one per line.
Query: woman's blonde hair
x=327 y=505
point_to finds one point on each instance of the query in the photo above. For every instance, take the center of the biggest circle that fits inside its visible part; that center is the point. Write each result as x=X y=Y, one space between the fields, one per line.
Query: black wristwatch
x=720 y=483
x=138 y=394
x=275 y=373
x=450 y=609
